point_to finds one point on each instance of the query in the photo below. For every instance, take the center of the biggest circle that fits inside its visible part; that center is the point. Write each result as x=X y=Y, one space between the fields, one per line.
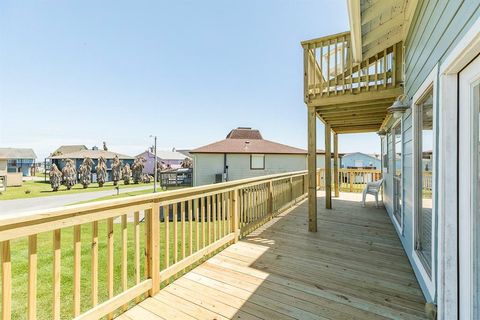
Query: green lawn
x=32 y=189
x=122 y=195
x=19 y=250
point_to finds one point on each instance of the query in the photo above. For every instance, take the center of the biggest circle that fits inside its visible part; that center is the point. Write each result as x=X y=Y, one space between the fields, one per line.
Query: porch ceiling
x=354 y=114
x=377 y=24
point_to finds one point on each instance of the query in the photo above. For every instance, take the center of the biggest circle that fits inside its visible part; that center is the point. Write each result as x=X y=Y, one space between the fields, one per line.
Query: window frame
x=429 y=85
x=251 y=161
x=399 y=224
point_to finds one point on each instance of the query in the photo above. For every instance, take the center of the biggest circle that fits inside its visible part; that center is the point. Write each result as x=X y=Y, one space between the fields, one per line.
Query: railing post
x=270 y=199
x=235 y=215
x=152 y=217
x=291 y=189
x=351 y=175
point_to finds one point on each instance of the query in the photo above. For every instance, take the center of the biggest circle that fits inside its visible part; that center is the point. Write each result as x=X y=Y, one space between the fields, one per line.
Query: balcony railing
x=93 y=260
x=329 y=68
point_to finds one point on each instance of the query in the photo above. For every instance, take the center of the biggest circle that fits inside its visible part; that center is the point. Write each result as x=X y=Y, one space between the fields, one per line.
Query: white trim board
x=430 y=82
x=466 y=49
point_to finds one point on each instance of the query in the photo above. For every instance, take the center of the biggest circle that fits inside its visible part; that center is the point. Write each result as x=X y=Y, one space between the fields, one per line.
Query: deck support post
x=312 y=169
x=328 y=167
x=335 y=165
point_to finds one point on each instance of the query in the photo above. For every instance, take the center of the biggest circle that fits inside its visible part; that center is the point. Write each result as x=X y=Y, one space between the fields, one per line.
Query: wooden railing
x=355 y=180
x=67 y=263
x=350 y=180
x=329 y=68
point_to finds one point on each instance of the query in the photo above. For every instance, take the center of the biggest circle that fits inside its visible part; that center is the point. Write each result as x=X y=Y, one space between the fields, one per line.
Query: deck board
x=354 y=267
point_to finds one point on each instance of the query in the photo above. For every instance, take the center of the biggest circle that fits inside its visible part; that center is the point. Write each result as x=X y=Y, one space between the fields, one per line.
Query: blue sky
x=83 y=72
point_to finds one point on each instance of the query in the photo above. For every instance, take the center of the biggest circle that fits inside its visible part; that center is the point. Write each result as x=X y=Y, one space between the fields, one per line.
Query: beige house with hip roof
x=245 y=154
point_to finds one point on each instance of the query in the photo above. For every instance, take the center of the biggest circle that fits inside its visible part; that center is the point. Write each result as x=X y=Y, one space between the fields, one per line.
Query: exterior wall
x=349 y=160
x=207 y=165
x=150 y=163
x=3 y=167
x=436 y=28
x=321 y=161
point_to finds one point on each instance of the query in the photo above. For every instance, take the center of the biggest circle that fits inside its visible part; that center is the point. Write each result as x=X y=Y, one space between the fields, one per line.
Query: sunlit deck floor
x=353 y=268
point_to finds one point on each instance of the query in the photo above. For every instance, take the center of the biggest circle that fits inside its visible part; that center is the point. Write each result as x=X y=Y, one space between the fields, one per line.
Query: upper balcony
x=348 y=94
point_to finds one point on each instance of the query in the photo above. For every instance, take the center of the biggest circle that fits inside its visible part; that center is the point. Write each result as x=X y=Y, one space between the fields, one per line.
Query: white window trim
x=430 y=81
x=251 y=161
x=398 y=225
x=460 y=56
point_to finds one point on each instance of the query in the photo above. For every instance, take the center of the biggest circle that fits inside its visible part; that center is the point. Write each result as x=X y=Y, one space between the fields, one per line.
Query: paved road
x=24 y=207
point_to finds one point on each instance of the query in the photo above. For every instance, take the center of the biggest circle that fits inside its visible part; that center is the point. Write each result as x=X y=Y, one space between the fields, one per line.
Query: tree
x=55 y=177
x=101 y=172
x=137 y=169
x=69 y=174
x=116 y=170
x=85 y=171
x=187 y=163
x=105 y=146
x=126 y=174
x=160 y=168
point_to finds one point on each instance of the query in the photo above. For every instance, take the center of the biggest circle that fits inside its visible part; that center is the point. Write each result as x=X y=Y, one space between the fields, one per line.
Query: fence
x=67 y=262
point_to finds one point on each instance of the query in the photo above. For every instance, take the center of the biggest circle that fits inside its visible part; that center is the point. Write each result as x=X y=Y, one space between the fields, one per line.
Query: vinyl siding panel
x=207 y=165
x=436 y=28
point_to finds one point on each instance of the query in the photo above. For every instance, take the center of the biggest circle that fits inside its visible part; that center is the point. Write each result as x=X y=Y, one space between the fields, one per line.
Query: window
x=385 y=153
x=397 y=172
x=424 y=187
x=257 y=161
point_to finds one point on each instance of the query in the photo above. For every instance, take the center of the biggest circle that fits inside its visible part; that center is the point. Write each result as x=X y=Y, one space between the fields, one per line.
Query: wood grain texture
x=353 y=268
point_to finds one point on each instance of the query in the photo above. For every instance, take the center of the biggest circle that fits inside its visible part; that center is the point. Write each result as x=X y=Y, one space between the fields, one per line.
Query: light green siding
x=436 y=28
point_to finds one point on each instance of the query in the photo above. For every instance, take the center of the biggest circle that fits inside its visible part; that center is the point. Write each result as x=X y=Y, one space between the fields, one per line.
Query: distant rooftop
x=164 y=155
x=247 y=140
x=245 y=133
x=17 y=153
x=70 y=148
x=94 y=154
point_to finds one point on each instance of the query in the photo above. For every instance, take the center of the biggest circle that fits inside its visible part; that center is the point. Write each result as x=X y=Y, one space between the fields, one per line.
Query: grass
x=33 y=189
x=19 y=252
x=121 y=195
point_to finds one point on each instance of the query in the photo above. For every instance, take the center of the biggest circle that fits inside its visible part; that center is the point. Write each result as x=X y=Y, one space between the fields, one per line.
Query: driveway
x=24 y=207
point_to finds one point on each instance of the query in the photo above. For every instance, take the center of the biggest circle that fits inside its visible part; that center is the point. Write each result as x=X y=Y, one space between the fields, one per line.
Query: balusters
x=166 y=220
x=197 y=224
x=182 y=219
x=175 y=233
x=94 y=263
x=190 y=227
x=32 y=277
x=124 y=276
x=136 y=237
x=110 y=265
x=6 y=281
x=77 y=253
x=203 y=221
x=56 y=273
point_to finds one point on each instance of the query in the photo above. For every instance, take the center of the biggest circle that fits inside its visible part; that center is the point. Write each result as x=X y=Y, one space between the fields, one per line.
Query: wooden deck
x=353 y=268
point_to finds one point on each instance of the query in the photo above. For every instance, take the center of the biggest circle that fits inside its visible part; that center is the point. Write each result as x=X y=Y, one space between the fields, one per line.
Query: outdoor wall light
x=398 y=107
x=382 y=133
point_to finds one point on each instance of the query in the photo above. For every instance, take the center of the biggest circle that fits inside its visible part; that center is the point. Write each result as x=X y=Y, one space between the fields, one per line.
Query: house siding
x=207 y=165
x=349 y=160
x=436 y=28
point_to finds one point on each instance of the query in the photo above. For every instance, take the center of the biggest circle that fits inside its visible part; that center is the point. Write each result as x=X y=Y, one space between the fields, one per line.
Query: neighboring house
x=244 y=154
x=66 y=149
x=359 y=160
x=412 y=73
x=94 y=154
x=172 y=158
x=18 y=160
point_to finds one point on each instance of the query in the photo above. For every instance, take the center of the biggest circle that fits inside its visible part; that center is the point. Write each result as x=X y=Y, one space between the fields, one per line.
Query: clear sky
x=83 y=72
